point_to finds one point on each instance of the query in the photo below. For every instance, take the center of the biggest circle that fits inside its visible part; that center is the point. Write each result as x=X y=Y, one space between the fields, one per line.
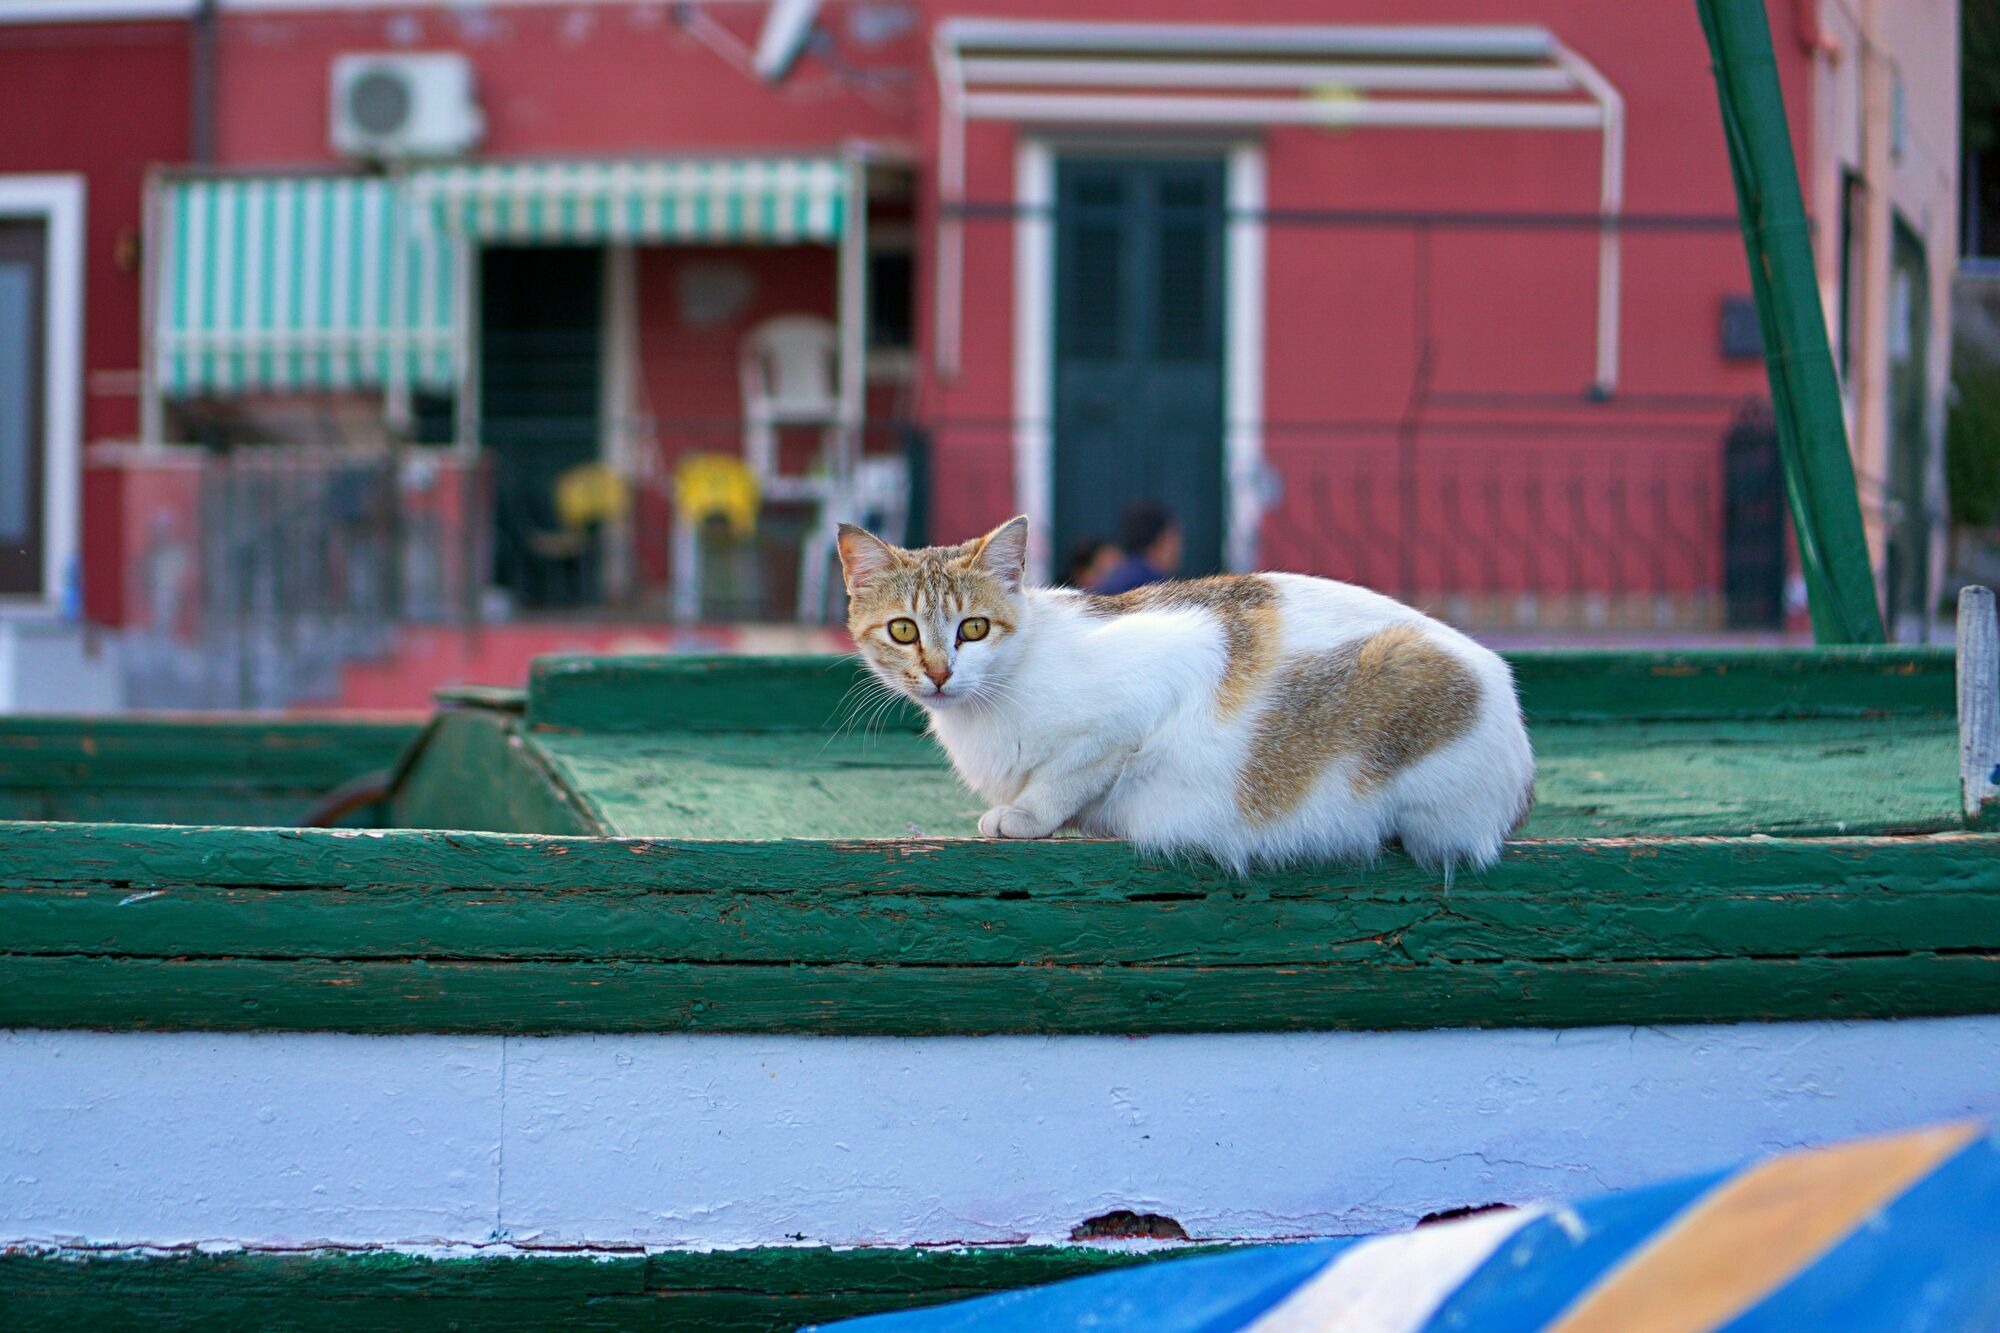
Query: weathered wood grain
x=184 y=770
x=471 y=770
x=807 y=693
x=885 y=1000
x=1474 y=923
x=761 y=1289
x=1614 y=779
x=151 y=856
x=225 y=929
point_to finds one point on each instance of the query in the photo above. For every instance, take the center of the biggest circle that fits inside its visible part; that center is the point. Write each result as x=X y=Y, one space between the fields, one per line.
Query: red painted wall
x=595 y=80
x=604 y=80
x=1563 y=495
x=107 y=100
x=690 y=394
x=1521 y=482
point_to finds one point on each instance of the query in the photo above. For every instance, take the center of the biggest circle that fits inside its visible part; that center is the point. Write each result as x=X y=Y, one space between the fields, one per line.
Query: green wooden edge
x=221 y=751
x=814 y=693
x=472 y=770
x=135 y=927
x=185 y=769
x=1805 y=390
x=757 y=1289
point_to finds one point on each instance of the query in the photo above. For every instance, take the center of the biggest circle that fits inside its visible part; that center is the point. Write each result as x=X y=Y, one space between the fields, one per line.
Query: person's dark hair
x=1142 y=525
x=1081 y=557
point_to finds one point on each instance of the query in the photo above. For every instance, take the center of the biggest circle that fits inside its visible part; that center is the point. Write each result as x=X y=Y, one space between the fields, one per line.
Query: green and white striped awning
x=766 y=200
x=289 y=283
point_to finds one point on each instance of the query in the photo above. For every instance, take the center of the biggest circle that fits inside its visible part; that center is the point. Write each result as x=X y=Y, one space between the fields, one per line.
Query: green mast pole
x=1805 y=395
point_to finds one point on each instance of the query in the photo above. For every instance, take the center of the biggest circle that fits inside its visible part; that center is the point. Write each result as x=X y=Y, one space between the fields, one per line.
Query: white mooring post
x=1978 y=703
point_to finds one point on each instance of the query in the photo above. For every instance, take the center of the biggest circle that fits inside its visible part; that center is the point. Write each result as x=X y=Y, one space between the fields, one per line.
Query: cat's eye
x=903 y=630
x=973 y=630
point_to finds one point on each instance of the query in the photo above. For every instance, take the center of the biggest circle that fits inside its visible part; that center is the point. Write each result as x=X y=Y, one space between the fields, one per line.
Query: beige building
x=1882 y=185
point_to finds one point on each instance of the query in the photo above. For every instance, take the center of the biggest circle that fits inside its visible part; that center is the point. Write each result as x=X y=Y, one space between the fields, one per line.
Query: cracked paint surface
x=723 y=1141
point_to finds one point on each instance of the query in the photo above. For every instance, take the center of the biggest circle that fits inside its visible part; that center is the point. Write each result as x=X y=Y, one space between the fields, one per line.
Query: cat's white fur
x=1110 y=725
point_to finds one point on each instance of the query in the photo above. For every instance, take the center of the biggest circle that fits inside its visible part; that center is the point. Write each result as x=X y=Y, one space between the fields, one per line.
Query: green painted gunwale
x=187 y=769
x=611 y=694
x=127 y=926
x=761 y=1290
x=110 y=926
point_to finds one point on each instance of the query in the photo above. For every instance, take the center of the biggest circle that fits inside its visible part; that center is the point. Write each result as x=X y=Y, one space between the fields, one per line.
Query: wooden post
x=1978 y=705
x=1805 y=393
x=152 y=253
x=616 y=445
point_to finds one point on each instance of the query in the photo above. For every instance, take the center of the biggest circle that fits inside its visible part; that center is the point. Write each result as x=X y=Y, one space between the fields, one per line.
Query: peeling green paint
x=408 y=931
x=1611 y=779
x=757 y=1290
x=813 y=693
x=1622 y=906
x=184 y=770
x=472 y=770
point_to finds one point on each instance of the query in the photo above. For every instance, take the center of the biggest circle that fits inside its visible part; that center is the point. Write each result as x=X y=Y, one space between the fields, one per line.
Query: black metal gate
x=1753 y=522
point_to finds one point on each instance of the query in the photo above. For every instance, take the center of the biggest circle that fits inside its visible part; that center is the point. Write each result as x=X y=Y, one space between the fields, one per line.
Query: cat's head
x=941 y=624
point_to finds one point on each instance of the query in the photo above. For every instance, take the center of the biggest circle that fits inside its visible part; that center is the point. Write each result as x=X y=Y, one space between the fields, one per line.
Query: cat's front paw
x=1011 y=821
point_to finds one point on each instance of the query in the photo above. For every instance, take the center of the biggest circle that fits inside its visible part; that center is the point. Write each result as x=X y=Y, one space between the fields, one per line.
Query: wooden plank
x=815 y=693
x=159 y=805
x=216 y=929
x=167 y=752
x=758 y=1289
x=1805 y=389
x=1850 y=681
x=230 y=995
x=193 y=770
x=144 y=856
x=1711 y=778
x=472 y=771
x=1625 y=779
x=1515 y=919
x=703 y=694
x=757 y=784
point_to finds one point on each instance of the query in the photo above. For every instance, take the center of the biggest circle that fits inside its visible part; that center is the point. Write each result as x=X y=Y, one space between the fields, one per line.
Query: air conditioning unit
x=404 y=105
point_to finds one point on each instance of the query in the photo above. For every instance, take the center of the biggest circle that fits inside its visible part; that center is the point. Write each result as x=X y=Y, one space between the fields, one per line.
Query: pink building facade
x=1448 y=302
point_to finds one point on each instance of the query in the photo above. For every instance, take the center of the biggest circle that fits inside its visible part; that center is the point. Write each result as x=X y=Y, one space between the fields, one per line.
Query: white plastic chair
x=790 y=371
x=790 y=375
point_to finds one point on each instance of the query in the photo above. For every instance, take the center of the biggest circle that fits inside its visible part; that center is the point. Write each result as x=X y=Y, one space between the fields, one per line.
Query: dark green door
x=23 y=266
x=1138 y=347
x=1909 y=428
x=539 y=371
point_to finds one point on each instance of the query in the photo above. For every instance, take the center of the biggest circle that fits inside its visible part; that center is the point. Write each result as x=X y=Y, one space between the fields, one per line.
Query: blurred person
x=1089 y=561
x=1150 y=538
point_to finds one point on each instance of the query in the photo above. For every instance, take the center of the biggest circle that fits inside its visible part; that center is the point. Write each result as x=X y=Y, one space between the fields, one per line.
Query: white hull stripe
x=1898 y=1231
x=1393 y=1284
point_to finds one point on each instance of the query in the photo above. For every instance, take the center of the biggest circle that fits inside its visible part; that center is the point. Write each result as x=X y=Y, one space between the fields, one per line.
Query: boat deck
x=1698 y=777
x=716 y=845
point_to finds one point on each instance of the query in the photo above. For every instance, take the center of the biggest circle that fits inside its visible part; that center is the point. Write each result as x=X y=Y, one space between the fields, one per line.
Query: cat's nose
x=938 y=675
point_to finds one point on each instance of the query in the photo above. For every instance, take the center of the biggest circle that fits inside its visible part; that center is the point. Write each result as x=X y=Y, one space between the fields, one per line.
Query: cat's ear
x=1003 y=552
x=864 y=557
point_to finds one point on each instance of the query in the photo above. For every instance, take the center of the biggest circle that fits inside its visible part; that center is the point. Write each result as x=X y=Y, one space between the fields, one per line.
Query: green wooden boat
x=670 y=989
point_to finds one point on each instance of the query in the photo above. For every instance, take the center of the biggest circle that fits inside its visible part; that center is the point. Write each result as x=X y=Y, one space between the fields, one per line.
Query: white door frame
x=1242 y=336
x=57 y=201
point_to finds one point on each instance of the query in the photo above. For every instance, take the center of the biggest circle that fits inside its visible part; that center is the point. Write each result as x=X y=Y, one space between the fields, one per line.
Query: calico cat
x=1256 y=718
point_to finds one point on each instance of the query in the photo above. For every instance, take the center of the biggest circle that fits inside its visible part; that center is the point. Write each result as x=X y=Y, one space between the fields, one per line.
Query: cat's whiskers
x=876 y=698
x=993 y=690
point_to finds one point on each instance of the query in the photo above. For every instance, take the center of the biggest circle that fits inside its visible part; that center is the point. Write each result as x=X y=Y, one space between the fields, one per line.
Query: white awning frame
x=723 y=200
x=450 y=208
x=1078 y=74
x=288 y=282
